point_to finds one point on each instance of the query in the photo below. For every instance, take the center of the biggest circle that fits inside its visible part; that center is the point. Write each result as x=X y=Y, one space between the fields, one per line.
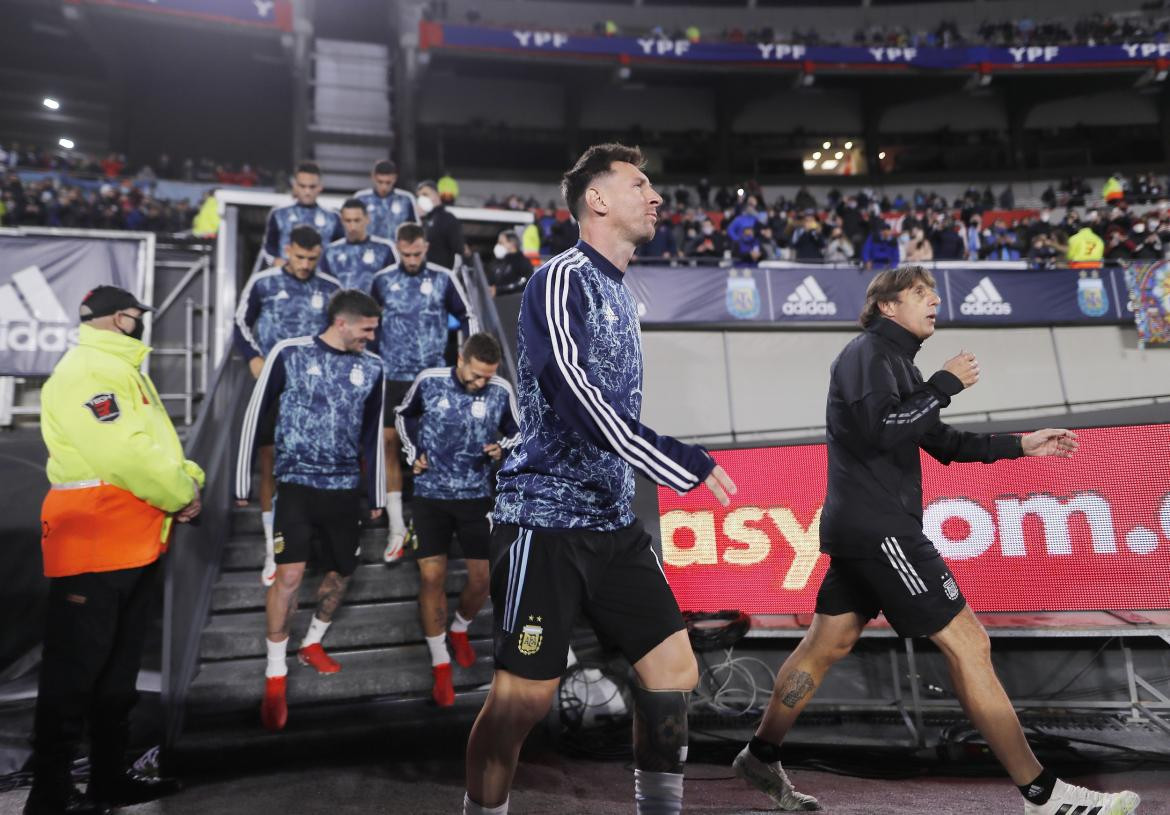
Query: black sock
x=765 y=751
x=1040 y=790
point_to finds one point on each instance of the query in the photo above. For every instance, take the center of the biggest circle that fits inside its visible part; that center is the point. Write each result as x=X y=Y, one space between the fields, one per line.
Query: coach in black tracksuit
x=880 y=414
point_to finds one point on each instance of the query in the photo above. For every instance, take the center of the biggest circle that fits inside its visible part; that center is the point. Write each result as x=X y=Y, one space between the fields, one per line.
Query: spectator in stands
x=918 y=248
x=808 y=241
x=663 y=244
x=511 y=269
x=1086 y=245
x=769 y=248
x=945 y=241
x=1119 y=246
x=1043 y=251
x=709 y=243
x=1000 y=243
x=881 y=248
x=839 y=248
x=444 y=233
x=1113 y=191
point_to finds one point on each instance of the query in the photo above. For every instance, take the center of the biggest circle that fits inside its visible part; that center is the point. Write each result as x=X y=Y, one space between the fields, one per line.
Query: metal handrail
x=192 y=564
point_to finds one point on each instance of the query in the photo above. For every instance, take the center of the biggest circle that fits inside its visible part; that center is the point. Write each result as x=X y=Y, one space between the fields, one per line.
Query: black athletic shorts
x=436 y=521
x=543 y=579
x=323 y=526
x=266 y=429
x=907 y=580
x=395 y=392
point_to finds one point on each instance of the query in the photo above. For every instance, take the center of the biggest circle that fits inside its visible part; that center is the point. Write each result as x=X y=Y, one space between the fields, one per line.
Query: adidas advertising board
x=42 y=281
x=786 y=293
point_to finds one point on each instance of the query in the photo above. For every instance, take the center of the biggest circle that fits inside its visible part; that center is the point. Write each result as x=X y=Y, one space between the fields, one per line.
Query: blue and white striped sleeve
x=271 y=248
x=266 y=391
x=407 y=418
x=246 y=314
x=372 y=447
x=575 y=396
x=510 y=418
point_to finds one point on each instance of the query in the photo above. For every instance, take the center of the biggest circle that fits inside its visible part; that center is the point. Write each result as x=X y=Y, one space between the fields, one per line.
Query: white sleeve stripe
x=565 y=352
x=400 y=420
x=669 y=471
x=472 y=319
x=380 y=455
x=252 y=418
x=242 y=312
x=512 y=404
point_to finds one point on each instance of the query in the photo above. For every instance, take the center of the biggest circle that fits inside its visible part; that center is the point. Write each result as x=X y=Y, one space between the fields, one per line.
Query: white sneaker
x=394 y=546
x=268 y=574
x=1071 y=800
x=771 y=780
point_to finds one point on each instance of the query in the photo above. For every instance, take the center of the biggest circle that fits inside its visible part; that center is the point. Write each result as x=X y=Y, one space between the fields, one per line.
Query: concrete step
x=234 y=636
x=371 y=583
x=401 y=670
x=247 y=551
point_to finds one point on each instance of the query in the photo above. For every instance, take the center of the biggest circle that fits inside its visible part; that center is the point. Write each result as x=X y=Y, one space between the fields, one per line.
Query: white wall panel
x=780 y=379
x=1103 y=363
x=685 y=383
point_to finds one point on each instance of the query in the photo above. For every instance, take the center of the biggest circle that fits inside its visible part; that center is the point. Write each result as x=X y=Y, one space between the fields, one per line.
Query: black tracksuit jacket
x=880 y=413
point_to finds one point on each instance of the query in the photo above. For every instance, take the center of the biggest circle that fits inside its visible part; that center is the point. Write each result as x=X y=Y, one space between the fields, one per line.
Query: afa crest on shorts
x=951 y=588
x=531 y=636
x=1091 y=295
x=743 y=297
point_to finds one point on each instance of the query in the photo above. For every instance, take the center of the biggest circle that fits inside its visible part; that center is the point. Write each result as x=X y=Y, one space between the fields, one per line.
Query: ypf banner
x=42 y=281
x=1034 y=534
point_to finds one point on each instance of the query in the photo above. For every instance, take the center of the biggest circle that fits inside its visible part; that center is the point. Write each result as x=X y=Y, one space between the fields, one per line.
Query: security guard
x=119 y=480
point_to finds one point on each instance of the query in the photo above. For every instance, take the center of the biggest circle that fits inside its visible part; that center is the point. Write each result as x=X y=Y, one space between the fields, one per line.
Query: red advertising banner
x=1035 y=534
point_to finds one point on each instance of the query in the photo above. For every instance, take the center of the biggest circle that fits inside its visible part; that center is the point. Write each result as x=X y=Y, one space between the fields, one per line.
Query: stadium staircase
x=375 y=636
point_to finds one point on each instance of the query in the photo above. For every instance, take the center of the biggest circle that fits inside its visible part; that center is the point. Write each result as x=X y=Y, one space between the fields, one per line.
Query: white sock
x=266 y=518
x=315 y=633
x=658 y=793
x=472 y=808
x=277 y=652
x=459 y=625
x=438 y=646
x=394 y=507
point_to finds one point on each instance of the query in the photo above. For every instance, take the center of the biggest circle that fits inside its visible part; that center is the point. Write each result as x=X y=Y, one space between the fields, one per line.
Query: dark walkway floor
x=552 y=784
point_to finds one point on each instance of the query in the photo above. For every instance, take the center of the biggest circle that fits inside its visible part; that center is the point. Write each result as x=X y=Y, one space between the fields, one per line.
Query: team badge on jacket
x=356 y=376
x=104 y=407
x=951 y=588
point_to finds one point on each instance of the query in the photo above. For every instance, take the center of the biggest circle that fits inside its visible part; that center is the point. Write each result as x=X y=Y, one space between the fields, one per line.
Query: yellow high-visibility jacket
x=116 y=465
x=1085 y=245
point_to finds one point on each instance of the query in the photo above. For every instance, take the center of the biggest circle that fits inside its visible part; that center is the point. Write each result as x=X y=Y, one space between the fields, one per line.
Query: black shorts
x=266 y=429
x=907 y=580
x=395 y=392
x=543 y=579
x=436 y=521
x=324 y=526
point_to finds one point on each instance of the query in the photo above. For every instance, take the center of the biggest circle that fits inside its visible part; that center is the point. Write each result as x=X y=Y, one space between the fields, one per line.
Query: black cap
x=105 y=300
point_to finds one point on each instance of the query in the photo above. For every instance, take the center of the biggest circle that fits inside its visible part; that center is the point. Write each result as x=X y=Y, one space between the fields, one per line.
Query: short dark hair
x=887 y=286
x=595 y=162
x=385 y=167
x=354 y=203
x=409 y=232
x=310 y=167
x=305 y=237
x=483 y=347
x=511 y=237
x=352 y=303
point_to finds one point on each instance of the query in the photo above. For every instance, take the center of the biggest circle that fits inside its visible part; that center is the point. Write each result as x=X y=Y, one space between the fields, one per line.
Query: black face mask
x=139 y=327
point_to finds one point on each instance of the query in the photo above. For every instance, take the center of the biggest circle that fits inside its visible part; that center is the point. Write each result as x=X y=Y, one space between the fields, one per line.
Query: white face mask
x=425 y=204
x=500 y=251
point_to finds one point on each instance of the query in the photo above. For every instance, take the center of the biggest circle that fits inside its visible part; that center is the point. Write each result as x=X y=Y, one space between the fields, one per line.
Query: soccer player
x=305 y=211
x=416 y=299
x=454 y=423
x=565 y=539
x=276 y=304
x=330 y=393
x=354 y=259
x=389 y=208
x=880 y=415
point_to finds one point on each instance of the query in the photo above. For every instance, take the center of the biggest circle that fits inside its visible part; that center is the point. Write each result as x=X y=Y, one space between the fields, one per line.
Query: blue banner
x=435 y=35
x=825 y=294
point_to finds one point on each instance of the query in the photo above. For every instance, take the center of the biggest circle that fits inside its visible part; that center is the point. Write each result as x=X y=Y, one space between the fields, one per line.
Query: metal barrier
x=192 y=565
x=478 y=290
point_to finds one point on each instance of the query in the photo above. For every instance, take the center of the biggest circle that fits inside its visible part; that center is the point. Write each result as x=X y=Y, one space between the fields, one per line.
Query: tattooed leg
x=281 y=602
x=828 y=639
x=329 y=595
x=432 y=594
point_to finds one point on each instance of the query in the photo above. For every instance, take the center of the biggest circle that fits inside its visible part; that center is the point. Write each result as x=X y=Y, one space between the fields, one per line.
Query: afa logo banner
x=1034 y=534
